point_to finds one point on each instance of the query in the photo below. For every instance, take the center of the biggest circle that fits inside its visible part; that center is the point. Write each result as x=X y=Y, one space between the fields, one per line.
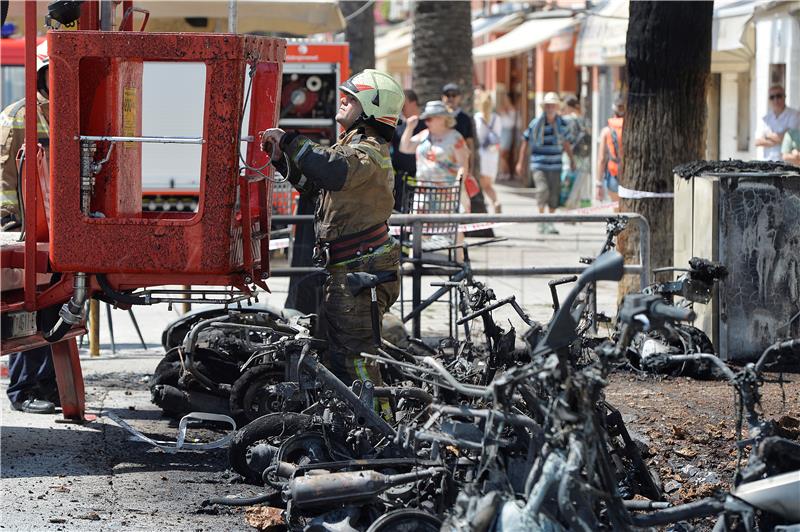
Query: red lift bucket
x=97 y=224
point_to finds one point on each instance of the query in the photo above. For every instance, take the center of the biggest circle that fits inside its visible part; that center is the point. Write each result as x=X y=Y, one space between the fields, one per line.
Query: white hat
x=435 y=108
x=551 y=98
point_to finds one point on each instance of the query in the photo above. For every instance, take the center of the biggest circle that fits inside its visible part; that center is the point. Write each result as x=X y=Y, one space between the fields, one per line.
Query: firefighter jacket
x=12 y=138
x=354 y=178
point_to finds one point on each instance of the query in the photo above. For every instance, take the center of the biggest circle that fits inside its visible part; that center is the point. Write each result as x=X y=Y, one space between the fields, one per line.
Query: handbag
x=471 y=186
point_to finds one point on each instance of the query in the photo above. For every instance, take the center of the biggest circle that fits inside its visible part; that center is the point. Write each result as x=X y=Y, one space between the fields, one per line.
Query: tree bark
x=668 y=56
x=360 y=33
x=442 y=49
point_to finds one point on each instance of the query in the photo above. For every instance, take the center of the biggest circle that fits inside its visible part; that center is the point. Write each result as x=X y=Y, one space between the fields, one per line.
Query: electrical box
x=747 y=217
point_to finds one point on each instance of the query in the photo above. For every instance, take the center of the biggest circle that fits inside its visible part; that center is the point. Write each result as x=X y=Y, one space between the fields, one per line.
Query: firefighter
x=355 y=180
x=32 y=385
x=12 y=137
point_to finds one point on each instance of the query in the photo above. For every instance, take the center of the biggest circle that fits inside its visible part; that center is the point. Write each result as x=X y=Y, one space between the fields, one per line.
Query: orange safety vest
x=613 y=144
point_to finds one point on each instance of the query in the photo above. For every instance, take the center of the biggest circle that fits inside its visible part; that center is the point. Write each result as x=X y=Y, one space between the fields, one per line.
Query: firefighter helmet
x=380 y=96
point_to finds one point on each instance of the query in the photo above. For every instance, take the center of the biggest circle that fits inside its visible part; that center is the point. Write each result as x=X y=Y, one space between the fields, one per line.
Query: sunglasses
x=452 y=94
x=776 y=96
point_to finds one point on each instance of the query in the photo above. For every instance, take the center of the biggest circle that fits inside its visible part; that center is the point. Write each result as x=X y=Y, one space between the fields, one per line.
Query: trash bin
x=745 y=215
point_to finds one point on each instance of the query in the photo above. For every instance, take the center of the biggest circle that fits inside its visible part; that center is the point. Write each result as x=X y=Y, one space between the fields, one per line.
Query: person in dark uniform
x=405 y=164
x=32 y=376
x=355 y=181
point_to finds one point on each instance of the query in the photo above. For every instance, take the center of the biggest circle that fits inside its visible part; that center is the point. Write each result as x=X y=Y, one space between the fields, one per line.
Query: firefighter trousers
x=346 y=319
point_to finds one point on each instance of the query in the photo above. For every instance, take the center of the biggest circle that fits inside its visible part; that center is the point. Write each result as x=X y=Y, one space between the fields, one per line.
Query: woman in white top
x=509 y=126
x=488 y=130
x=442 y=154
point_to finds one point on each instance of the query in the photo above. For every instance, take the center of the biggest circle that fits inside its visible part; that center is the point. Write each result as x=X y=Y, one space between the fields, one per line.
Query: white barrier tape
x=180 y=444
x=628 y=193
x=278 y=243
x=462 y=228
x=596 y=208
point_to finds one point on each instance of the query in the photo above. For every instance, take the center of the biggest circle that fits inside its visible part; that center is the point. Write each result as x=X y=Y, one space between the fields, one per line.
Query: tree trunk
x=360 y=33
x=442 y=49
x=442 y=53
x=668 y=55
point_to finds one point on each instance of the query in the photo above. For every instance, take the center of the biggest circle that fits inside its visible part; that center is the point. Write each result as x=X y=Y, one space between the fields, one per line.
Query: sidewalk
x=524 y=247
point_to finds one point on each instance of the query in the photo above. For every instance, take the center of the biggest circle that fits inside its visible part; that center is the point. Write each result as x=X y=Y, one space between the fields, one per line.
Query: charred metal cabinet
x=749 y=220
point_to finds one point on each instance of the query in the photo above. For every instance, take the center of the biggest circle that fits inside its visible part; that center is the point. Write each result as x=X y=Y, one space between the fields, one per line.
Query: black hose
x=118 y=297
x=241 y=501
x=58 y=331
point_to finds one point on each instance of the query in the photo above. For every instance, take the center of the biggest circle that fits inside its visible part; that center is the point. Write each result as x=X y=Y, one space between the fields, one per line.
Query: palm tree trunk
x=360 y=33
x=668 y=56
x=442 y=49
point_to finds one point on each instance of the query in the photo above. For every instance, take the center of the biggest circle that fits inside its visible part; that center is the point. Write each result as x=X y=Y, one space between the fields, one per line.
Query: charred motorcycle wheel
x=406 y=520
x=255 y=445
x=687 y=339
x=254 y=394
x=167 y=373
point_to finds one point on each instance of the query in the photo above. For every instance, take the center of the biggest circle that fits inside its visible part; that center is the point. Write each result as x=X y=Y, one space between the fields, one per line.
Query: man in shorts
x=547 y=138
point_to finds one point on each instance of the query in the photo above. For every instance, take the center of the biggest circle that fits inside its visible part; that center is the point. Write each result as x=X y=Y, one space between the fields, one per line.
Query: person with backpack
x=610 y=150
x=573 y=181
x=488 y=128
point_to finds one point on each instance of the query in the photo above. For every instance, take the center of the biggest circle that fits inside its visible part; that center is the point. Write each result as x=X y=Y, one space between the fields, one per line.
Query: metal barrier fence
x=416 y=222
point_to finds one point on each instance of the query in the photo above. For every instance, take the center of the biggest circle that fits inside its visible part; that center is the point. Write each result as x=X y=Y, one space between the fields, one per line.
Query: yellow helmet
x=380 y=96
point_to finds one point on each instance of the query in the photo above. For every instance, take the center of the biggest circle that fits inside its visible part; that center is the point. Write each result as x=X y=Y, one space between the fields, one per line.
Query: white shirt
x=482 y=128
x=772 y=123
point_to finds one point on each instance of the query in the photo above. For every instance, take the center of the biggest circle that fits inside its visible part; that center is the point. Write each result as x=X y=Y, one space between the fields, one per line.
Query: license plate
x=23 y=324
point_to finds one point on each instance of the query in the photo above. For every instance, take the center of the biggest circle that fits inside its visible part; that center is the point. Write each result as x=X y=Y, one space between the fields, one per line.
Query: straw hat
x=551 y=98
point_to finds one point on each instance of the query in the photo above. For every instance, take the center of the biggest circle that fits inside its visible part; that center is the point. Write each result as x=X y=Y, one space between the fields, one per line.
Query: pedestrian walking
x=509 y=125
x=451 y=97
x=779 y=119
x=609 y=163
x=548 y=138
x=573 y=182
x=488 y=130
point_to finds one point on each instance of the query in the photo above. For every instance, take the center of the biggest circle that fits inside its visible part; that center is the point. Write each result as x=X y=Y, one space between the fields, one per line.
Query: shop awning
x=296 y=17
x=393 y=41
x=399 y=39
x=483 y=26
x=523 y=38
x=601 y=40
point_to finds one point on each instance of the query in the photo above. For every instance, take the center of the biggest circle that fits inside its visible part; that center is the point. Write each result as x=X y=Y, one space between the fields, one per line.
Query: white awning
x=522 y=38
x=601 y=40
x=393 y=41
x=398 y=40
x=298 y=17
x=483 y=26
x=731 y=26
